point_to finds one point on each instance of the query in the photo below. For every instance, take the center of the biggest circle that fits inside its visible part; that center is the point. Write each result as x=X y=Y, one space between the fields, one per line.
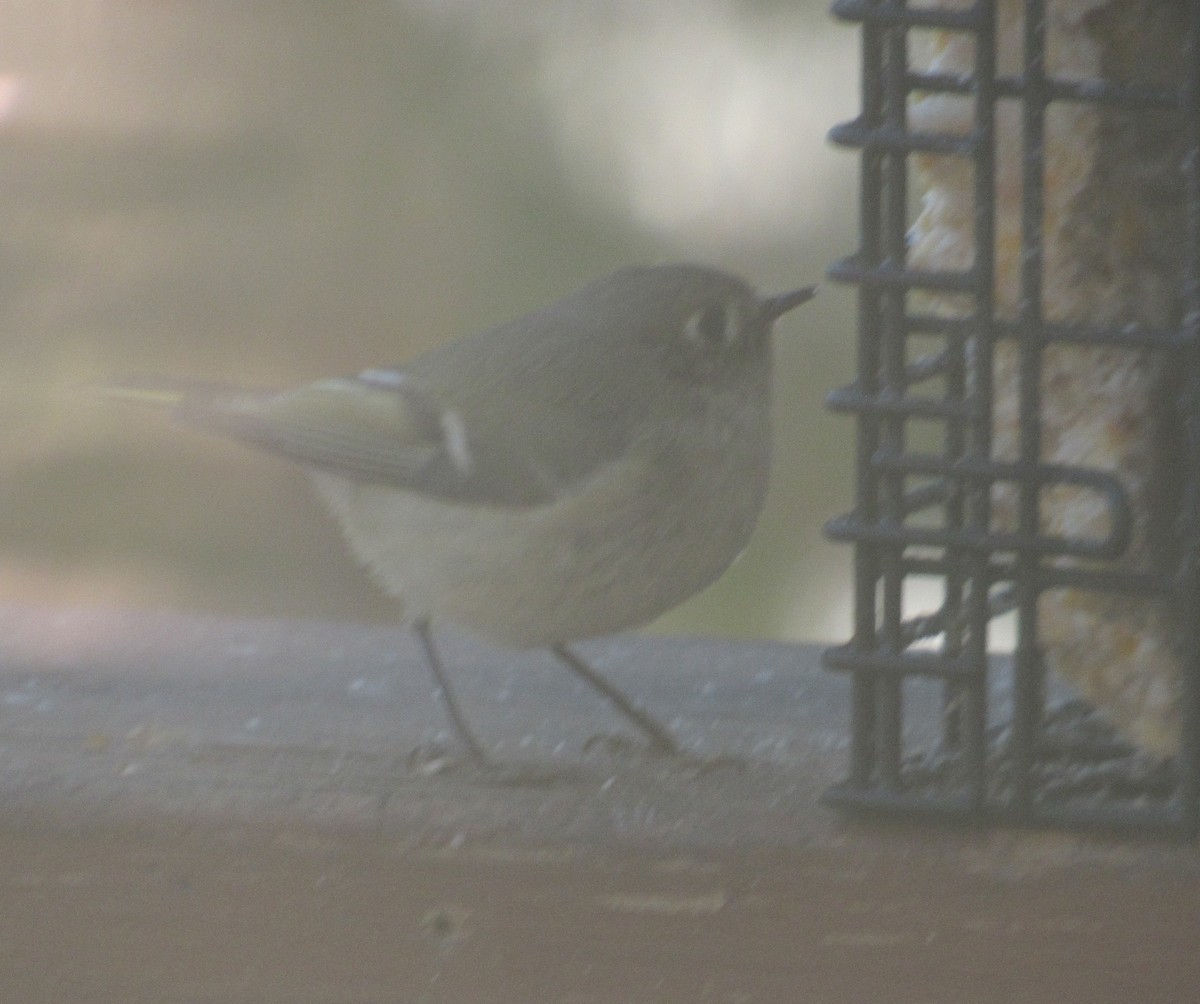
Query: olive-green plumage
x=571 y=473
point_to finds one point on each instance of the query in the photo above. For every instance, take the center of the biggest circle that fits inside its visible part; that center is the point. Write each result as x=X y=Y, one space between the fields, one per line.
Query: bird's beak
x=771 y=308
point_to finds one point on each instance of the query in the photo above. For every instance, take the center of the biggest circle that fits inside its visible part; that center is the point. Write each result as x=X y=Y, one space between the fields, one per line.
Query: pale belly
x=613 y=555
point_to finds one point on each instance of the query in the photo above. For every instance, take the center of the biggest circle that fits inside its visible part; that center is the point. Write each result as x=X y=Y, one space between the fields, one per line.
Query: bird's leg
x=520 y=776
x=661 y=739
x=457 y=719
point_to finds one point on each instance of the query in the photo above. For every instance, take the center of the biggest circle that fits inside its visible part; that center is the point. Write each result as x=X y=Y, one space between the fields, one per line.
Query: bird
x=570 y=474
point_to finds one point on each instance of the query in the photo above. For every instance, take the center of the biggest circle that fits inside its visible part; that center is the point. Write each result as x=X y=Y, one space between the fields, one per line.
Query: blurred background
x=278 y=191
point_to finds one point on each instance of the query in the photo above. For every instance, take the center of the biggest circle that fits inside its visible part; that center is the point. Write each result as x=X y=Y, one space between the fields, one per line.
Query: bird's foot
x=432 y=758
x=429 y=759
x=623 y=747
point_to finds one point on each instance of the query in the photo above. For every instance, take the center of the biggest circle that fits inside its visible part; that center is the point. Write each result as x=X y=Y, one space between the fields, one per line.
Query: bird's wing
x=378 y=427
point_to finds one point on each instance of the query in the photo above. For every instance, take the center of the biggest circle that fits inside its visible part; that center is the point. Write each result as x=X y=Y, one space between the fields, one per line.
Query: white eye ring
x=714 y=326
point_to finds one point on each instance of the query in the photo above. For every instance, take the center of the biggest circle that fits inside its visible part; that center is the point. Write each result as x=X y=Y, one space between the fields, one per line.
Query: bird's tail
x=213 y=407
x=166 y=393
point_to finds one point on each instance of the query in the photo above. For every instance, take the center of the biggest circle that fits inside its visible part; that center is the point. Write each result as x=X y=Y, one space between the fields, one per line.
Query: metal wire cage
x=930 y=514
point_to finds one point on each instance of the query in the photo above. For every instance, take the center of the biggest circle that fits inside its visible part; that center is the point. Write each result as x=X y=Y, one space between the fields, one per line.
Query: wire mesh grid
x=928 y=515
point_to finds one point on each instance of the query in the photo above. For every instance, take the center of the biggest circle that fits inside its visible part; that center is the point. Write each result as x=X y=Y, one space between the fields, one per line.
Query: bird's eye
x=713 y=326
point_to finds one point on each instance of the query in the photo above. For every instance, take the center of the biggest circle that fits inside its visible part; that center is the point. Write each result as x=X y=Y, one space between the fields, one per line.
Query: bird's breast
x=640 y=535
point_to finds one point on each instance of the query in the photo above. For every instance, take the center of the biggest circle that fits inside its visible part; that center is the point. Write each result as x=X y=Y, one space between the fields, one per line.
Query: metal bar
x=896 y=14
x=1129 y=336
x=1189 y=753
x=894 y=665
x=886 y=534
x=971 y=472
x=891 y=139
x=1043 y=474
x=1029 y=684
x=977 y=498
x=866 y=562
x=1141 y=584
x=1105 y=92
x=1140 y=819
x=852 y=398
x=890 y=696
x=888 y=274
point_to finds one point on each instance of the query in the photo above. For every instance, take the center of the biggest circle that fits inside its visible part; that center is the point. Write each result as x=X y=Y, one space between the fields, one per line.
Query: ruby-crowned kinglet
x=571 y=473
